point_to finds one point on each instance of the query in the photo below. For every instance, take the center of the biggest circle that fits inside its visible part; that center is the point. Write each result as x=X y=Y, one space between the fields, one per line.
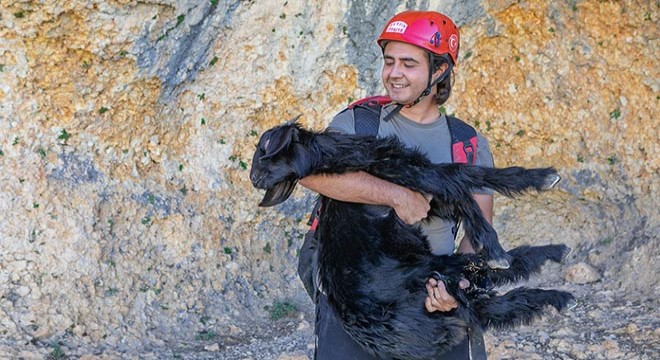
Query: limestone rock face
x=127 y=130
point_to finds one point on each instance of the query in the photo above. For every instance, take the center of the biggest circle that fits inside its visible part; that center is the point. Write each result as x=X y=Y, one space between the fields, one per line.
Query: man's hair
x=443 y=87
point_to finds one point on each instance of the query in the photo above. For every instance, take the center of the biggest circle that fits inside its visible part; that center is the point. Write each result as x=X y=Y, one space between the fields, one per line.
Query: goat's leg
x=527 y=260
x=449 y=184
x=452 y=198
x=368 y=154
x=508 y=181
x=519 y=306
x=481 y=234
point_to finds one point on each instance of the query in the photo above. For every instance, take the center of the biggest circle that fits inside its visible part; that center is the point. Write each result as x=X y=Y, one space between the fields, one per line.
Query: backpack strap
x=463 y=149
x=313 y=221
x=376 y=100
x=463 y=141
x=366 y=114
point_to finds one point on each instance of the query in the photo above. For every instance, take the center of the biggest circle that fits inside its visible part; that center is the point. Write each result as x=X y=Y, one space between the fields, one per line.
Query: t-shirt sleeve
x=484 y=158
x=343 y=123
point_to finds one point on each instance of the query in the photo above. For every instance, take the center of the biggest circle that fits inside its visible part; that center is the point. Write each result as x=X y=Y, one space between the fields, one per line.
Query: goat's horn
x=293 y=120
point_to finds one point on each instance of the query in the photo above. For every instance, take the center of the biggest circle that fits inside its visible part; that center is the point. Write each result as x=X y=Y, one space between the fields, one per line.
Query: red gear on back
x=429 y=30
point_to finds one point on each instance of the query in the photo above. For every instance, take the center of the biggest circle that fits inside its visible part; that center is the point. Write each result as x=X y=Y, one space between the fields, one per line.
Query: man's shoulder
x=343 y=122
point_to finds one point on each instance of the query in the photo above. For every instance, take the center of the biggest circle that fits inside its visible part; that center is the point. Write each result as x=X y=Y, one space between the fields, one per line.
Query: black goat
x=373 y=267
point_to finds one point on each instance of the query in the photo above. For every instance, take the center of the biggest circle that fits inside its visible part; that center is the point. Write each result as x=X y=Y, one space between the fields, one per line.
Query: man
x=420 y=49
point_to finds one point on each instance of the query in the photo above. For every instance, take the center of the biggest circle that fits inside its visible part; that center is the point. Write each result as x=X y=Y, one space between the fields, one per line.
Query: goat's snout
x=255 y=178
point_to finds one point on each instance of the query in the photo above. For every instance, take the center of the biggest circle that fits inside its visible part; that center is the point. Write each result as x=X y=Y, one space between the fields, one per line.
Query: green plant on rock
x=64 y=136
x=205 y=335
x=612 y=160
x=615 y=114
x=281 y=309
x=57 y=353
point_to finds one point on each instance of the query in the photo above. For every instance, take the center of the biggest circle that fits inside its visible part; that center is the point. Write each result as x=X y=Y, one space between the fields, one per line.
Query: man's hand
x=411 y=206
x=438 y=298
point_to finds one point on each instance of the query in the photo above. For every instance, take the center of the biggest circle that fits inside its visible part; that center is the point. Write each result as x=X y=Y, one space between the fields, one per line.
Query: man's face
x=405 y=71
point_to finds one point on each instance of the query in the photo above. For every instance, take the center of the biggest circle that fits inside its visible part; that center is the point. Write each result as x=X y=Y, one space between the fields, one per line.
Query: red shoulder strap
x=463 y=141
x=375 y=100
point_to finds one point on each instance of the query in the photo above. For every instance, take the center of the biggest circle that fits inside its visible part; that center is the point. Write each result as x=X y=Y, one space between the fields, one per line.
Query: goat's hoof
x=550 y=181
x=572 y=304
x=499 y=263
x=439 y=277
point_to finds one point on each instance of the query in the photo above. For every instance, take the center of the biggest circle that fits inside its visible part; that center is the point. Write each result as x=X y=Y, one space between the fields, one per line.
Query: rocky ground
x=605 y=325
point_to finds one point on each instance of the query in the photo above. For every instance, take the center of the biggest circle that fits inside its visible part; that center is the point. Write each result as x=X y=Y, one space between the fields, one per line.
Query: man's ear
x=440 y=70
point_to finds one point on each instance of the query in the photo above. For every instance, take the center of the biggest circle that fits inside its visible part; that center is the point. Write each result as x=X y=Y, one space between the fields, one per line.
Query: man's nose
x=396 y=71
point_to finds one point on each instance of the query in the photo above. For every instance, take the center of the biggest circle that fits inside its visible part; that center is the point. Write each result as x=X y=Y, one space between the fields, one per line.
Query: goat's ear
x=277 y=140
x=278 y=193
x=293 y=120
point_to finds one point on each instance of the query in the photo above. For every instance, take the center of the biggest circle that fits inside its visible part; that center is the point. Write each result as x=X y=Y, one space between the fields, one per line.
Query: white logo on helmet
x=398 y=27
x=453 y=42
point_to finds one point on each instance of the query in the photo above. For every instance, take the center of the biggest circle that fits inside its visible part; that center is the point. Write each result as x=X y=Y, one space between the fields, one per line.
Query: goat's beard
x=278 y=193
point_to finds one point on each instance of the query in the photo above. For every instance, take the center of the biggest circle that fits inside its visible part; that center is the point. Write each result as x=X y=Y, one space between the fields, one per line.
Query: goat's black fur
x=373 y=267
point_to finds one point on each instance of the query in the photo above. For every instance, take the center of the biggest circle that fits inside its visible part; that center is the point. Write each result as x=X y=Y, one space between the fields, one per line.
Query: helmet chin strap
x=431 y=83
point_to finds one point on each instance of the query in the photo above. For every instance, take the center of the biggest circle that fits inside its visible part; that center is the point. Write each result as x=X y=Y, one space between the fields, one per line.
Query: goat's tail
x=513 y=180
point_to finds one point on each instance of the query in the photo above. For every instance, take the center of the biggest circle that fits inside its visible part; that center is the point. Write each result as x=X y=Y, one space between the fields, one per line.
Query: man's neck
x=423 y=112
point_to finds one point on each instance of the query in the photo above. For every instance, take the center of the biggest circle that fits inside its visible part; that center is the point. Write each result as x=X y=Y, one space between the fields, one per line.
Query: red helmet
x=429 y=30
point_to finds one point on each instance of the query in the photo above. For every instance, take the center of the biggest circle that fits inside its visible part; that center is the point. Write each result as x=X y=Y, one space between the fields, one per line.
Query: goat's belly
x=345 y=212
x=401 y=328
x=377 y=211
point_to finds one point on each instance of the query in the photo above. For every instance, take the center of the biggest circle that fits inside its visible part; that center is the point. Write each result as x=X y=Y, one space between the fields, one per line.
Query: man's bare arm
x=363 y=188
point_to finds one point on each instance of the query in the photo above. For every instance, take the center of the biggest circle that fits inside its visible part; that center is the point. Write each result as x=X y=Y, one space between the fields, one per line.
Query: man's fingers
x=463 y=284
x=441 y=291
x=428 y=305
x=432 y=305
x=438 y=298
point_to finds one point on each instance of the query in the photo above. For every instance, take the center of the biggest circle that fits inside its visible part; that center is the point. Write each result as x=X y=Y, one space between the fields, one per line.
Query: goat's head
x=279 y=161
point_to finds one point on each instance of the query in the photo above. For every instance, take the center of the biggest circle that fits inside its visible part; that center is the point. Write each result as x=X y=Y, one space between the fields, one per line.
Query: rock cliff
x=127 y=129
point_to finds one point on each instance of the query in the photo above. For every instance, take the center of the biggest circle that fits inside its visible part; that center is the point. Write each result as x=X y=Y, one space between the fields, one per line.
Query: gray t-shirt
x=434 y=140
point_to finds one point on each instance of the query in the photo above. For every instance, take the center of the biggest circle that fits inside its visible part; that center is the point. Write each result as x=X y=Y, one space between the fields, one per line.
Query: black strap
x=367 y=119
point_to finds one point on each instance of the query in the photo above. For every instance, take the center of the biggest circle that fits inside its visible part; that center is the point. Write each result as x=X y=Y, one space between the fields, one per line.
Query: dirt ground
x=606 y=324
